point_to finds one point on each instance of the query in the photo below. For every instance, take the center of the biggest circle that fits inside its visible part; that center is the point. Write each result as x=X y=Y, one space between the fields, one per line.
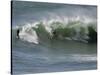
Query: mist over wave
x=29 y=12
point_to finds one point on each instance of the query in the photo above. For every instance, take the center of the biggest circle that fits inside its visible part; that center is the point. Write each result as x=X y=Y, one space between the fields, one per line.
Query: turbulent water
x=53 y=37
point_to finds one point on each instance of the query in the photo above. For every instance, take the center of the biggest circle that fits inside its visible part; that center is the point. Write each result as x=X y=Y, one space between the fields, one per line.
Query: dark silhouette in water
x=92 y=35
x=18 y=33
x=55 y=34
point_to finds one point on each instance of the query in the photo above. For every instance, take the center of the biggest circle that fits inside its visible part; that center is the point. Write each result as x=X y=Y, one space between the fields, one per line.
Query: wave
x=71 y=29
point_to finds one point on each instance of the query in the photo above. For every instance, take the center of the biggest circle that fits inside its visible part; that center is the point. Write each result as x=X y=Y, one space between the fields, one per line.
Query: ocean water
x=53 y=37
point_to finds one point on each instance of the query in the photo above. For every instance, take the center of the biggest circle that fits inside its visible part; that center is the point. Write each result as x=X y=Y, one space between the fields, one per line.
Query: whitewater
x=74 y=29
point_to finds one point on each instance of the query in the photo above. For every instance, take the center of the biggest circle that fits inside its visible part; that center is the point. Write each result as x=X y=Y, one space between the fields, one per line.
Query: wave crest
x=73 y=29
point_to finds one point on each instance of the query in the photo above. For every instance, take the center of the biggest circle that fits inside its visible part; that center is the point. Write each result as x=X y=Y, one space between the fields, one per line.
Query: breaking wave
x=77 y=29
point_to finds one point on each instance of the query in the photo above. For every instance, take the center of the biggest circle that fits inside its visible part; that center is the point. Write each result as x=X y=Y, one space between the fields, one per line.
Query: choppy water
x=37 y=52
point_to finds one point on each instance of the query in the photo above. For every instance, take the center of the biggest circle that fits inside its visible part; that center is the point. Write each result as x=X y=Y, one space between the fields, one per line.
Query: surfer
x=55 y=35
x=18 y=33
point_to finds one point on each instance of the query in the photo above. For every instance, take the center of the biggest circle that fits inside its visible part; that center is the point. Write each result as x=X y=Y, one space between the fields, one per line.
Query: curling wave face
x=83 y=30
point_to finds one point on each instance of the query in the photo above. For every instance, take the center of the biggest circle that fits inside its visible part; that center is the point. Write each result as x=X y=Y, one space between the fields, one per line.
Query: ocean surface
x=53 y=37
